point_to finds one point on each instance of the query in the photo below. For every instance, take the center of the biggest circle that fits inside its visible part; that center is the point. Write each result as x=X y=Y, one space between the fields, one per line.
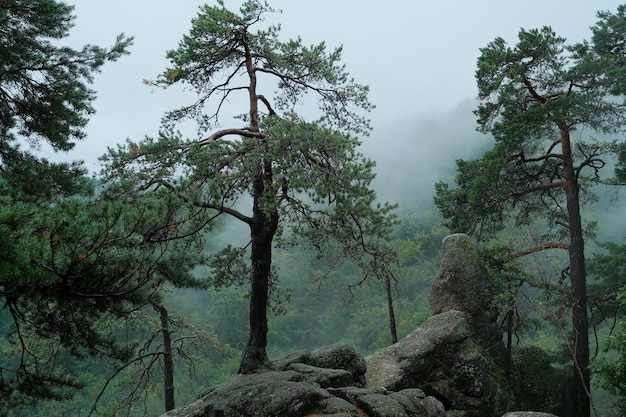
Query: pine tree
x=70 y=260
x=543 y=101
x=306 y=181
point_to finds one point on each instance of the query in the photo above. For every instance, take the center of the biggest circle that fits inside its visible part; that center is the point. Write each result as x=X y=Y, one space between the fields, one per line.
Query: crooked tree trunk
x=578 y=280
x=168 y=362
x=392 y=316
x=263 y=227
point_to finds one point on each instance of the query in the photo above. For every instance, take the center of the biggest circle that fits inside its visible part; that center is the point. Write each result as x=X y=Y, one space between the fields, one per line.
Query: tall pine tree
x=304 y=182
x=544 y=101
x=70 y=260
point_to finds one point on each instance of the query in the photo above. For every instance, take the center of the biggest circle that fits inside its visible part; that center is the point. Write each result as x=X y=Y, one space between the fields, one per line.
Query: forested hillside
x=192 y=257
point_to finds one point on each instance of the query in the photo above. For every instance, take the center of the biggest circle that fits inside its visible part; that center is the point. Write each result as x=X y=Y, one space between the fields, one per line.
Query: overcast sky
x=417 y=57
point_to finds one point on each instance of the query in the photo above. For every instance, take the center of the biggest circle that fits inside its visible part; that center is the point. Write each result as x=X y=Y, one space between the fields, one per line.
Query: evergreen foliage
x=71 y=261
x=83 y=263
x=609 y=290
x=539 y=99
x=45 y=95
x=306 y=182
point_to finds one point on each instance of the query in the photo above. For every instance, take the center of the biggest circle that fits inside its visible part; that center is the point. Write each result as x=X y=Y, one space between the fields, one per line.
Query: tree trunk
x=578 y=280
x=509 y=342
x=168 y=363
x=392 y=316
x=262 y=229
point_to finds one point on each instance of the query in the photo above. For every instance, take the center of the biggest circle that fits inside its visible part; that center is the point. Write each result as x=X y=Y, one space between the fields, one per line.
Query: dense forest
x=189 y=258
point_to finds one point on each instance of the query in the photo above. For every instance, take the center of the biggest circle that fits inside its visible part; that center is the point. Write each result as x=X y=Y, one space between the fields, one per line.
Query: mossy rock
x=537 y=384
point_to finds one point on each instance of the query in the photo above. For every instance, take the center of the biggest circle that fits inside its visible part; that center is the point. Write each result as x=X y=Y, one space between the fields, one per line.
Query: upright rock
x=450 y=355
x=450 y=366
x=462 y=284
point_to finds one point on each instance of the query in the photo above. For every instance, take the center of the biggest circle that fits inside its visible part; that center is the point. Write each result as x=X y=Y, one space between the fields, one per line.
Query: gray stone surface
x=398 y=365
x=341 y=356
x=292 y=394
x=442 y=358
x=324 y=377
x=447 y=367
x=463 y=284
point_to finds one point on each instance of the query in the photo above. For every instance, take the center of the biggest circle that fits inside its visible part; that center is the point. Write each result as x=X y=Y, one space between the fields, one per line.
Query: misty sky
x=417 y=57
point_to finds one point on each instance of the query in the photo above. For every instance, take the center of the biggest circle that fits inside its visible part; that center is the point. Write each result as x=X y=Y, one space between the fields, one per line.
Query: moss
x=536 y=383
x=478 y=376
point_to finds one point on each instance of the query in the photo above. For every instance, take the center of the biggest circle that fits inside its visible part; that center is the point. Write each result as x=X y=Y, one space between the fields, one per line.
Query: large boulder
x=462 y=284
x=341 y=356
x=403 y=364
x=442 y=358
x=337 y=356
x=298 y=394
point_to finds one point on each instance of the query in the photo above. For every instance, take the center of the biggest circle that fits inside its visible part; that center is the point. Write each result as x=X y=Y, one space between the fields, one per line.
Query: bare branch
x=538 y=248
x=522 y=157
x=220 y=208
x=267 y=104
x=542 y=187
x=227 y=132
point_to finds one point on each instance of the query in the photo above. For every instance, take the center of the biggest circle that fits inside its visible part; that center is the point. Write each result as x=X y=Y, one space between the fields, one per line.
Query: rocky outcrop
x=450 y=356
x=462 y=284
x=450 y=366
x=445 y=360
x=306 y=390
x=333 y=357
x=404 y=364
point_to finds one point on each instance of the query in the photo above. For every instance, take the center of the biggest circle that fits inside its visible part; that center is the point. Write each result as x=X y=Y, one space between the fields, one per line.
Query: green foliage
x=214 y=50
x=610 y=366
x=66 y=271
x=306 y=182
x=29 y=54
x=321 y=310
x=141 y=378
x=135 y=387
x=609 y=275
x=608 y=298
x=328 y=307
x=71 y=263
x=608 y=45
x=543 y=100
x=527 y=92
x=39 y=77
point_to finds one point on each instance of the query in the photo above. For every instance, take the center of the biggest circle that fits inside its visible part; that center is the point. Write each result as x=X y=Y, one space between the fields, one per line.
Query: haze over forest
x=419 y=61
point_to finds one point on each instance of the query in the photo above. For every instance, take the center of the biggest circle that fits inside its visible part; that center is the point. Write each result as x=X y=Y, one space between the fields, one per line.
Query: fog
x=420 y=150
x=418 y=58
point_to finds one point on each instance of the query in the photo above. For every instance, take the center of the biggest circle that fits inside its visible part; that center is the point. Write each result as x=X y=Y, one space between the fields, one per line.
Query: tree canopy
x=545 y=103
x=290 y=181
x=72 y=257
x=45 y=94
